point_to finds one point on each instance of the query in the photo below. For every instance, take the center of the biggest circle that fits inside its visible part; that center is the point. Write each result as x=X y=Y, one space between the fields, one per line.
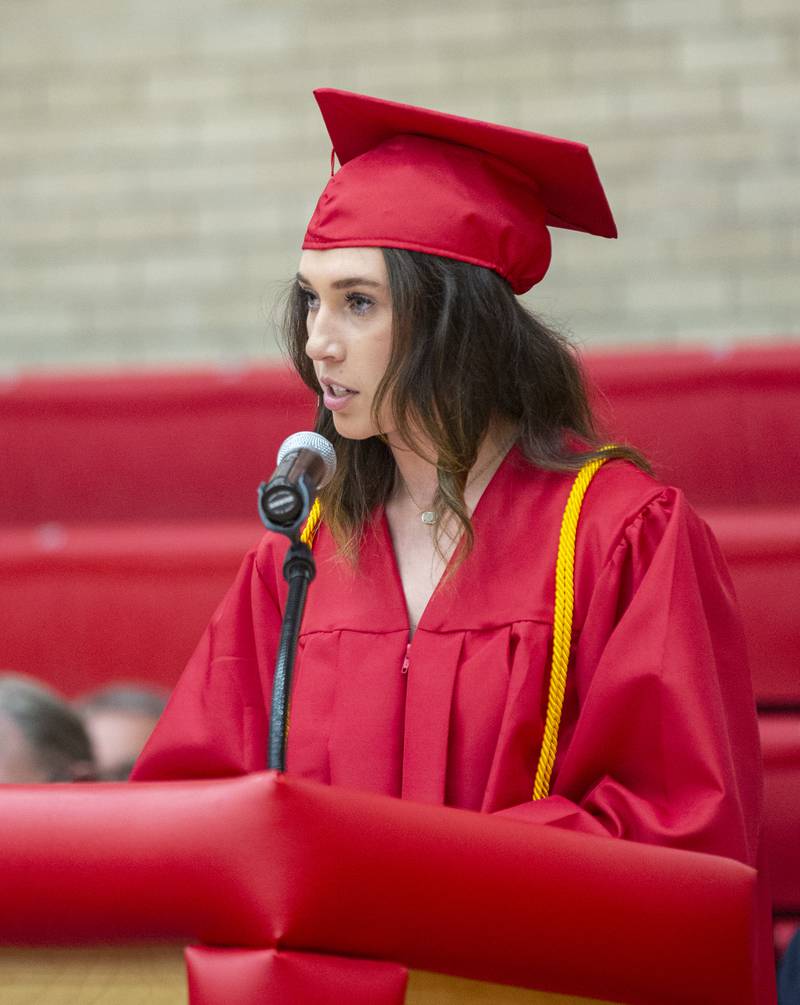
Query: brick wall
x=159 y=159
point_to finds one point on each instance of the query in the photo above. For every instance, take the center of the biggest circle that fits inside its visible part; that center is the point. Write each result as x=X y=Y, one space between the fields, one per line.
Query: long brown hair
x=465 y=354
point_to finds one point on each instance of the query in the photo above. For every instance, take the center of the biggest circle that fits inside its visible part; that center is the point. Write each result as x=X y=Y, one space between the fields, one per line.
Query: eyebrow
x=344 y=284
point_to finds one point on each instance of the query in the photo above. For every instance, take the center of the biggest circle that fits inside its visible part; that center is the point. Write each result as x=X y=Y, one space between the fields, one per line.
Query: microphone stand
x=283 y=507
x=298 y=571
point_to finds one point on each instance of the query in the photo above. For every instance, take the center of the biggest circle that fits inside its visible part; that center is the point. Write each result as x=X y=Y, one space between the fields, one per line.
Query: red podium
x=302 y=894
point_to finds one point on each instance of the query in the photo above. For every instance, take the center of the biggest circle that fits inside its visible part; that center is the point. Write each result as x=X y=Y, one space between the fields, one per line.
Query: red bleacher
x=128 y=501
x=725 y=427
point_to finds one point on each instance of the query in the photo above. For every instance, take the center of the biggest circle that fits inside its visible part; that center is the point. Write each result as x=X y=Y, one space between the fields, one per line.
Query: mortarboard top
x=475 y=191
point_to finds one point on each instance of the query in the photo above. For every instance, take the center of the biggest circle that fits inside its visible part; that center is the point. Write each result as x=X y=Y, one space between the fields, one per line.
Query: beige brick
x=670 y=190
x=628 y=57
x=722 y=146
x=602 y=334
x=582 y=18
x=653 y=107
x=668 y=222
x=46 y=187
x=187 y=271
x=775 y=102
x=391 y=77
x=68 y=275
x=23 y=95
x=773 y=193
x=677 y=293
x=152 y=147
x=570 y=114
x=725 y=244
x=31 y=234
x=737 y=51
x=199 y=83
x=559 y=299
x=763 y=326
x=777 y=288
x=756 y=10
x=793 y=244
x=20 y=326
x=96 y=137
x=81 y=91
x=720 y=154
x=480 y=22
x=649 y=14
x=578 y=257
x=722 y=337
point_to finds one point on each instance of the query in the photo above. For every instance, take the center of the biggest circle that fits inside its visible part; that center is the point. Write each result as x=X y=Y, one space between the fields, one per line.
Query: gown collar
x=451 y=583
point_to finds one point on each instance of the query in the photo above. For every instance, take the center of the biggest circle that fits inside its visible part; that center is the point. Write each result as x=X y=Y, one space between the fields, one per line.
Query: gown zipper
x=406 y=658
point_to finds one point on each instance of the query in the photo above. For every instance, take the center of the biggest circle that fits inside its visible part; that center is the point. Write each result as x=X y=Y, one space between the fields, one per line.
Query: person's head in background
x=41 y=738
x=119 y=719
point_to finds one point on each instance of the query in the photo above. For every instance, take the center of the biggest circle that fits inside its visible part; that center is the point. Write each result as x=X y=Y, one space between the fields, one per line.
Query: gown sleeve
x=661 y=744
x=215 y=721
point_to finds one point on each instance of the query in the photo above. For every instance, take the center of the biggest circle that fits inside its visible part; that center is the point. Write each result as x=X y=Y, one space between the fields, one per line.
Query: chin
x=352 y=428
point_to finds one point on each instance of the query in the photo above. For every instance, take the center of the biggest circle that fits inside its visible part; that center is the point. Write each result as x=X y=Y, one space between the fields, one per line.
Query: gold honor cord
x=562 y=616
x=309 y=531
x=562 y=622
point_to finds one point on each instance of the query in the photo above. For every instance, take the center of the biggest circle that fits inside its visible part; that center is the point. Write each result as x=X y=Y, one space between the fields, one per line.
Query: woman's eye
x=359 y=304
x=309 y=299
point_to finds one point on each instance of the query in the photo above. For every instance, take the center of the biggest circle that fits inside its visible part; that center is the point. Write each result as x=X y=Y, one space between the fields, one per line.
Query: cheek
x=379 y=362
x=379 y=354
x=378 y=367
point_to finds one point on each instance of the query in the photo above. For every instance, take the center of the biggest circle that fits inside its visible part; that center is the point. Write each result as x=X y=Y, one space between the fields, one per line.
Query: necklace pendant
x=428 y=517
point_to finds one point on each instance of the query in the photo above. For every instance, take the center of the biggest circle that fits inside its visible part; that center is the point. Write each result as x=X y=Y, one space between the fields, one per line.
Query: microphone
x=306 y=463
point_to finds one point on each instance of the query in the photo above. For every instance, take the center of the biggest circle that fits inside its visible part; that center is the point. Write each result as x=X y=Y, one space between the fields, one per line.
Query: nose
x=322 y=340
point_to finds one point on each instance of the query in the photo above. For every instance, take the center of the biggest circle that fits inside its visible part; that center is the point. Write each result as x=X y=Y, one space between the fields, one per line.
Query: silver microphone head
x=311 y=441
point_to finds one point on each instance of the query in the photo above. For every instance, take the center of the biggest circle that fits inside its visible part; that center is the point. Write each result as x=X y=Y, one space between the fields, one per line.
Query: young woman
x=428 y=649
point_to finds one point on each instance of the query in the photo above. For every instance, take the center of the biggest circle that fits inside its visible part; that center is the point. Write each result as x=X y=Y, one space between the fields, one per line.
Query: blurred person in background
x=789 y=973
x=41 y=738
x=119 y=718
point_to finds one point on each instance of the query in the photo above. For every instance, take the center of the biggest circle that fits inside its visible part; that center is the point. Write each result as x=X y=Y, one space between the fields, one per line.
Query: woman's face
x=349 y=324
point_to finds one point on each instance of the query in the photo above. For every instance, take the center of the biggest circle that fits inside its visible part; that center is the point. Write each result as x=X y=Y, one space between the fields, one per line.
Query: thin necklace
x=427 y=516
x=430 y=516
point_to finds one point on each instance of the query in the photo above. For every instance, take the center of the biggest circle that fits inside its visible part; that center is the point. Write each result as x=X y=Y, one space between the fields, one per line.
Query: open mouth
x=336 y=396
x=339 y=390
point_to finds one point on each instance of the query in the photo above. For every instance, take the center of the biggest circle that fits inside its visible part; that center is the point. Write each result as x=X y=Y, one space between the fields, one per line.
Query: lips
x=338 y=390
x=336 y=396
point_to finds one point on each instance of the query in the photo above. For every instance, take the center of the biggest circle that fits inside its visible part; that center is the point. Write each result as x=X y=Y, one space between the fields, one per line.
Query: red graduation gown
x=658 y=741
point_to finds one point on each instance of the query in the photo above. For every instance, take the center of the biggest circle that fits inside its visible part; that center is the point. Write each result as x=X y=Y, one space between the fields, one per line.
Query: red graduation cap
x=427 y=181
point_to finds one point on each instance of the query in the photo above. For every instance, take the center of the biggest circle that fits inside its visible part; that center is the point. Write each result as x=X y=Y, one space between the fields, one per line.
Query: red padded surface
x=82 y=605
x=762 y=548
x=724 y=426
x=266 y=860
x=780 y=740
x=269 y=977
x=175 y=445
x=155 y=446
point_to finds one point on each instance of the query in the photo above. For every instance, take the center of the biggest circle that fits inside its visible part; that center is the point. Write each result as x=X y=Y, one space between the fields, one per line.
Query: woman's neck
x=423 y=544
x=417 y=477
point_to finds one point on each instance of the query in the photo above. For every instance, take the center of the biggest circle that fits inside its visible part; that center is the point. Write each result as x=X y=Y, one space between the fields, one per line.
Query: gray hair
x=57 y=737
x=138 y=699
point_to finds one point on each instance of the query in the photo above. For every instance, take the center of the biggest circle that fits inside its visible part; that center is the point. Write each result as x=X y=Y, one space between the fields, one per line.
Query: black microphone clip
x=306 y=462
